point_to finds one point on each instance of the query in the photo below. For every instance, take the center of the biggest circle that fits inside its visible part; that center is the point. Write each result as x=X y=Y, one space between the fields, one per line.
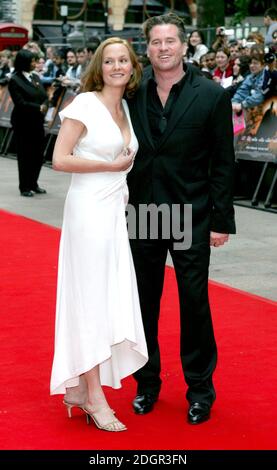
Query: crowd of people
x=248 y=64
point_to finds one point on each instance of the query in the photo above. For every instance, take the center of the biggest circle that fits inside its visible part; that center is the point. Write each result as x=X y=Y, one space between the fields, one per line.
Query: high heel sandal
x=111 y=426
x=69 y=406
x=81 y=406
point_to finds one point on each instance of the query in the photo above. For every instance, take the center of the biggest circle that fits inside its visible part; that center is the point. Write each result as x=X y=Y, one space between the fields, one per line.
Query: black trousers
x=197 y=343
x=29 y=147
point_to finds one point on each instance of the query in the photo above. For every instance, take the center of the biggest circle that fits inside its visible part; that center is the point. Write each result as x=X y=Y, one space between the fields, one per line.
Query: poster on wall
x=258 y=140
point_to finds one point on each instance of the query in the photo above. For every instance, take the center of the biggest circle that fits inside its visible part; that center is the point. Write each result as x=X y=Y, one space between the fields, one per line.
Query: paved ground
x=248 y=262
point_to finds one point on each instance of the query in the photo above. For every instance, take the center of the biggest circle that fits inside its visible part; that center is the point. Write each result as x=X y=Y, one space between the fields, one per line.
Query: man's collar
x=177 y=85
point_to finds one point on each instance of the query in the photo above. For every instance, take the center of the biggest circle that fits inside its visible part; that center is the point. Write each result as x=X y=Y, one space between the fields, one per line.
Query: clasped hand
x=124 y=160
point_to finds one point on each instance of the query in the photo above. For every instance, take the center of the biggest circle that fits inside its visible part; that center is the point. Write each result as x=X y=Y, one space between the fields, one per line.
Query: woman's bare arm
x=70 y=132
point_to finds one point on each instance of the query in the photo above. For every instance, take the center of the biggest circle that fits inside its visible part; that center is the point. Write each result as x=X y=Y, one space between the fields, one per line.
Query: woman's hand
x=123 y=161
x=237 y=108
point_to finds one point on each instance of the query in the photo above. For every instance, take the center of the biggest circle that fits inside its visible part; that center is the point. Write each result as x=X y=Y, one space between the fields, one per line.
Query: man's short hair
x=272 y=13
x=169 y=18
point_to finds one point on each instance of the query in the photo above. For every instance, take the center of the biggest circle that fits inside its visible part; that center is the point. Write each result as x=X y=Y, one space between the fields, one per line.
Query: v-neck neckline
x=126 y=115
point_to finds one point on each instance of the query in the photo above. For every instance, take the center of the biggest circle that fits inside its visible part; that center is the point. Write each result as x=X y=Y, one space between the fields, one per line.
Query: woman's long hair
x=92 y=79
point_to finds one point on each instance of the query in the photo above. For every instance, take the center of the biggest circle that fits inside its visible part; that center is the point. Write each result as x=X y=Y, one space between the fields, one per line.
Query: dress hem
x=61 y=388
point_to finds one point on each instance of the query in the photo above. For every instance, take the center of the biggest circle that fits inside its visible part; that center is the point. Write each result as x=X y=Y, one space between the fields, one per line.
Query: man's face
x=165 y=49
x=81 y=58
x=71 y=58
x=210 y=60
x=266 y=20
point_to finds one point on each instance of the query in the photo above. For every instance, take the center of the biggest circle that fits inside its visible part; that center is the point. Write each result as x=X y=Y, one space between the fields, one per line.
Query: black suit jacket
x=194 y=160
x=27 y=98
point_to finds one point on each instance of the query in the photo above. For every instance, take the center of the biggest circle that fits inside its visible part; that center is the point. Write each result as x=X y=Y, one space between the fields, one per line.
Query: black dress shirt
x=157 y=114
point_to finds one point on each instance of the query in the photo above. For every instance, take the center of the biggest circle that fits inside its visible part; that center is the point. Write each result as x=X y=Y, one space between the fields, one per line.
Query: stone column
x=117 y=9
x=25 y=13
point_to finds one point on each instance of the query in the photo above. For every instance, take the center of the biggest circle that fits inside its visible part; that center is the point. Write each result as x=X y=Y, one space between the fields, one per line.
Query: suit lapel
x=142 y=111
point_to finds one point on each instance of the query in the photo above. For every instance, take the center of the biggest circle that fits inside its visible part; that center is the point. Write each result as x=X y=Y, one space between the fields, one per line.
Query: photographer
x=221 y=39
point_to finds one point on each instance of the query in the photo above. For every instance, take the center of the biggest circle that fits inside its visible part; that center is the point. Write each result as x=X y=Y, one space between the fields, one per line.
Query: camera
x=221 y=31
x=269 y=57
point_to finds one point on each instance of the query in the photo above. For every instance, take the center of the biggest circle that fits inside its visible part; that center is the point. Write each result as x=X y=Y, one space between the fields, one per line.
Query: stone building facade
x=22 y=12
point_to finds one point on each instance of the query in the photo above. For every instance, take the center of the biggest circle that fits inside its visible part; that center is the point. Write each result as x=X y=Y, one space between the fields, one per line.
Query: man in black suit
x=183 y=123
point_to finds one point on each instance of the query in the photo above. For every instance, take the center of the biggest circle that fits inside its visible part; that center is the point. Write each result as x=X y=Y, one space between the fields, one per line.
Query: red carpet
x=244 y=415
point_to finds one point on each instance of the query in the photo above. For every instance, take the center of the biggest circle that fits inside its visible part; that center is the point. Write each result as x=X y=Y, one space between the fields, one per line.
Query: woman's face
x=221 y=59
x=40 y=65
x=117 y=67
x=33 y=64
x=195 y=39
x=236 y=67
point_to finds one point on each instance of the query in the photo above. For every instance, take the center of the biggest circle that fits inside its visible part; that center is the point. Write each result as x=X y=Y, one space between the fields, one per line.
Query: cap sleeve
x=77 y=109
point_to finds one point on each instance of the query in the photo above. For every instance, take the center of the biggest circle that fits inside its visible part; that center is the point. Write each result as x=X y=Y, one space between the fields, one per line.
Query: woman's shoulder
x=82 y=99
x=83 y=96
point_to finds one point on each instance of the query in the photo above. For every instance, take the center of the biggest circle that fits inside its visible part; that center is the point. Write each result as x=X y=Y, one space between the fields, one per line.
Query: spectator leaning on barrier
x=240 y=71
x=250 y=93
x=224 y=68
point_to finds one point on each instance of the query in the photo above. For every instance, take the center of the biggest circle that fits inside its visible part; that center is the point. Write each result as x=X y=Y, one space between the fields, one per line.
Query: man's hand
x=218 y=239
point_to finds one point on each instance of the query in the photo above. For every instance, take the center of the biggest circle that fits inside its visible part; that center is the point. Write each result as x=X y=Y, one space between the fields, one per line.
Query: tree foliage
x=242 y=10
x=210 y=13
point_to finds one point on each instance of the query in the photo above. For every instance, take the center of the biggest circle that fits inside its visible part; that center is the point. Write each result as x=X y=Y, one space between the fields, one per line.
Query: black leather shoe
x=144 y=403
x=39 y=190
x=27 y=193
x=198 y=413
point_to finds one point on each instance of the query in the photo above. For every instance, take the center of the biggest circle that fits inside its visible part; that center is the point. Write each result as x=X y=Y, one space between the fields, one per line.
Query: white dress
x=98 y=318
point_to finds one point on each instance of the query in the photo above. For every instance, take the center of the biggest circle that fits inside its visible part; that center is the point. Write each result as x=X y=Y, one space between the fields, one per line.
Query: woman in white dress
x=99 y=337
